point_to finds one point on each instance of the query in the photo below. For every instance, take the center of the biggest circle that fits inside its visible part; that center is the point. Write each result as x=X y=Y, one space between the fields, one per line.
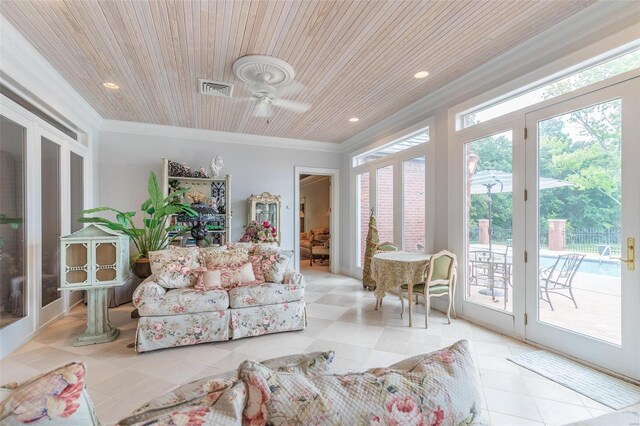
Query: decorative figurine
x=216 y=167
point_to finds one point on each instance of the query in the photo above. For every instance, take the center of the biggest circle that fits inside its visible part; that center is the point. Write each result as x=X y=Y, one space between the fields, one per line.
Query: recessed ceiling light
x=110 y=85
x=354 y=119
x=421 y=74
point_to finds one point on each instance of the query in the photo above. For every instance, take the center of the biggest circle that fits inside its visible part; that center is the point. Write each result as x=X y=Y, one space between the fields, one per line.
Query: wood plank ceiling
x=356 y=58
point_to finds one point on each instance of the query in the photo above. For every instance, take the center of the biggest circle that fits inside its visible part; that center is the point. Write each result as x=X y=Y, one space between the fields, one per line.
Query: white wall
x=317 y=195
x=125 y=160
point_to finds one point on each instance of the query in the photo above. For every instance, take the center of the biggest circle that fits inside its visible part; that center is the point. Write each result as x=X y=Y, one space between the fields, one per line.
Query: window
x=489 y=218
x=547 y=90
x=407 y=142
x=12 y=223
x=384 y=211
x=413 y=204
x=364 y=207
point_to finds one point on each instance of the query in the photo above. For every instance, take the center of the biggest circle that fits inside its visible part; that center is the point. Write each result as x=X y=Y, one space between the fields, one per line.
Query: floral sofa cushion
x=167 y=331
x=423 y=395
x=185 y=404
x=264 y=294
x=274 y=264
x=174 y=268
x=259 y=320
x=220 y=404
x=217 y=259
x=58 y=397
x=180 y=301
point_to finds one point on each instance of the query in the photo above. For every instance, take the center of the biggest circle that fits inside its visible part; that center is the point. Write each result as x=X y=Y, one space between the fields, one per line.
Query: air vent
x=215 y=88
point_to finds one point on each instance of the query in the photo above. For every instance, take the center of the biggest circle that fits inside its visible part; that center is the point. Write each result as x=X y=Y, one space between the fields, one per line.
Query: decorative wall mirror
x=265 y=207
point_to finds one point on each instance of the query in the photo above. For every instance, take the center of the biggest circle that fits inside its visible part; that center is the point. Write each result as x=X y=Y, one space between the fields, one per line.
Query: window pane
x=50 y=197
x=489 y=209
x=384 y=212
x=600 y=72
x=364 y=207
x=12 y=230
x=392 y=148
x=77 y=191
x=579 y=228
x=413 y=204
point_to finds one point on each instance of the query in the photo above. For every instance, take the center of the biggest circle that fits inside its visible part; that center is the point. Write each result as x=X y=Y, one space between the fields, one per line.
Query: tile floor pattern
x=341 y=317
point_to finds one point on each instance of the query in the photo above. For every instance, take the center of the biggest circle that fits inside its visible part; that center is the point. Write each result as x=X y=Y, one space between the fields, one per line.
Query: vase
x=141 y=268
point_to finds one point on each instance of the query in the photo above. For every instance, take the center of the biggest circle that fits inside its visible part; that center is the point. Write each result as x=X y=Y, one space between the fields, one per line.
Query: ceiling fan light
x=354 y=119
x=421 y=74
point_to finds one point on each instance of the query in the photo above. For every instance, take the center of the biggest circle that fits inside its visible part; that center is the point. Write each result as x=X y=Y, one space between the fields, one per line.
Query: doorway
x=316 y=211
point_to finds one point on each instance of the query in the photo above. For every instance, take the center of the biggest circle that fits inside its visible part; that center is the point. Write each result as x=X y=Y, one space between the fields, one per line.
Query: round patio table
x=393 y=269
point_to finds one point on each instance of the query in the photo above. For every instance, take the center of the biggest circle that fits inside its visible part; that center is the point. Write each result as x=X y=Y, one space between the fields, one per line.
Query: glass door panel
x=384 y=201
x=579 y=222
x=13 y=265
x=364 y=210
x=50 y=212
x=76 y=182
x=413 y=204
x=582 y=166
x=489 y=221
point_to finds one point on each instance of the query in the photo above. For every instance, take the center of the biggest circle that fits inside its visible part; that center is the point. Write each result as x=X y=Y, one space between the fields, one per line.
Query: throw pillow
x=208 y=280
x=58 y=397
x=174 y=268
x=213 y=249
x=217 y=403
x=248 y=247
x=225 y=258
x=274 y=264
x=424 y=395
x=245 y=274
x=257 y=264
x=265 y=247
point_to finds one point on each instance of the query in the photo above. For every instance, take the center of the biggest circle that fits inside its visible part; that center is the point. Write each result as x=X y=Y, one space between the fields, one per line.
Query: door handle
x=631 y=242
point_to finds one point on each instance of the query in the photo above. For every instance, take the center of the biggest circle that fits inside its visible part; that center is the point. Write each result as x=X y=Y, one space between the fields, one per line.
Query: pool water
x=588 y=266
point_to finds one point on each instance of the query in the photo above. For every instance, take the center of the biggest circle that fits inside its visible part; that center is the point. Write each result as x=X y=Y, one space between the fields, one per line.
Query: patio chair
x=386 y=246
x=440 y=281
x=491 y=270
x=559 y=277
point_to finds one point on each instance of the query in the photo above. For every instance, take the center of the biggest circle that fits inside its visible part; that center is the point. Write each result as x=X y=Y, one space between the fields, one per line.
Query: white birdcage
x=94 y=256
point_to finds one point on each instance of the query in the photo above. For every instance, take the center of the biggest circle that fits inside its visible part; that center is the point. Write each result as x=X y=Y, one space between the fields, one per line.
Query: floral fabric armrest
x=293 y=277
x=148 y=290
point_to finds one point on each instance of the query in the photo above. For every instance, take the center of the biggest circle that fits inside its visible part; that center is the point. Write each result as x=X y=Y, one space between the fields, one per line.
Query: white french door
x=581 y=300
x=490 y=272
x=43 y=174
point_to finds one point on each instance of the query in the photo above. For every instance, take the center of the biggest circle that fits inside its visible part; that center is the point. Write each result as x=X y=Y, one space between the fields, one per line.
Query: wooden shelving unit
x=220 y=229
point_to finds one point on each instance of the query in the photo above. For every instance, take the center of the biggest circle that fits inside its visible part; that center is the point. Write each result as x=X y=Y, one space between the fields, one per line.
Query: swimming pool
x=588 y=266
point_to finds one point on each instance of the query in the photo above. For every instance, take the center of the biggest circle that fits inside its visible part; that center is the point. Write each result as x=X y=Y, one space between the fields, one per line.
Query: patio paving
x=599 y=306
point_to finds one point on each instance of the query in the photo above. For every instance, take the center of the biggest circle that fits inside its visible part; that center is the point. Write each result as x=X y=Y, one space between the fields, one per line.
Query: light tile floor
x=341 y=317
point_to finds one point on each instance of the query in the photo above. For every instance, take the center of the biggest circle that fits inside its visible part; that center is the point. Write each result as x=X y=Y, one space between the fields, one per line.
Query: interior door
x=581 y=300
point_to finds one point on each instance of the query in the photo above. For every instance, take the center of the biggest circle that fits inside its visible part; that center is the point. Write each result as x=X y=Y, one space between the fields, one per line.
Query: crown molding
x=25 y=71
x=589 y=23
x=216 y=136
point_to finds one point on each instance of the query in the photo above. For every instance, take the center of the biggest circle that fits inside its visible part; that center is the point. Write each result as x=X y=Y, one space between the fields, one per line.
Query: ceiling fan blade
x=262 y=109
x=291 y=88
x=298 y=107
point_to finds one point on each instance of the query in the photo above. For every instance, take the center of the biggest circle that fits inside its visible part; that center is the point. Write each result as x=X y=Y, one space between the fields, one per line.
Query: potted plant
x=154 y=234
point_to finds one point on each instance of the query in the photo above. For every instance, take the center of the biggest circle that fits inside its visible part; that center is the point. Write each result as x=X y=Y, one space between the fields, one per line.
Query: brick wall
x=364 y=214
x=384 y=210
x=413 y=209
x=414 y=205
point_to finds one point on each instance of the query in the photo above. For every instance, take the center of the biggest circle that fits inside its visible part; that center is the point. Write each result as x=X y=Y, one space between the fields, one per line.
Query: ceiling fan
x=269 y=79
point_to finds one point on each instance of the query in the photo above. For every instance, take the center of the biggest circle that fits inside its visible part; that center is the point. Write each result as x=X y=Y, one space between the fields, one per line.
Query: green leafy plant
x=154 y=233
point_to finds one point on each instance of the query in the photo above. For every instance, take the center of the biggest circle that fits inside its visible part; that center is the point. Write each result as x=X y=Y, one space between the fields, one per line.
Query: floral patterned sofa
x=176 y=310
x=439 y=388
